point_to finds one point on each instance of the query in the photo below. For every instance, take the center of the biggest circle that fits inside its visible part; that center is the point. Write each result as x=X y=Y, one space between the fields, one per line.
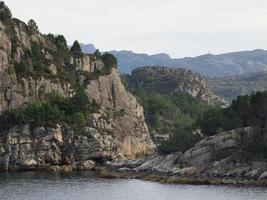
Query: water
x=43 y=186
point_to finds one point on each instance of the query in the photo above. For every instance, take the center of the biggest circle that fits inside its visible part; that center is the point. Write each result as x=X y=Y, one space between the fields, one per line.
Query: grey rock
x=263 y=175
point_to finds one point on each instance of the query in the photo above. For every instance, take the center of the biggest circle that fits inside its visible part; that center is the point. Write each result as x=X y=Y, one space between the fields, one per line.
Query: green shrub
x=21 y=68
x=55 y=109
x=109 y=60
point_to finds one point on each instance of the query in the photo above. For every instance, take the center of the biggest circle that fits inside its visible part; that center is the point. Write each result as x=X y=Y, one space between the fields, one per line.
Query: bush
x=5 y=12
x=21 y=68
x=32 y=26
x=109 y=60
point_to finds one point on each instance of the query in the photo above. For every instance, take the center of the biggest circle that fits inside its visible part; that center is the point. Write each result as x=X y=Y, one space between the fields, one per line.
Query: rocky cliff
x=131 y=129
x=59 y=148
x=32 y=65
x=174 y=81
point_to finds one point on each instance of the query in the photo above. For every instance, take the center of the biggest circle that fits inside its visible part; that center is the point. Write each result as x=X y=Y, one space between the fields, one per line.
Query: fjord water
x=84 y=186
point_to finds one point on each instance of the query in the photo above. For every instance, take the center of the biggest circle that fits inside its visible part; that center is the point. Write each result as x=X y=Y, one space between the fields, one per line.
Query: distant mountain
x=128 y=60
x=228 y=64
x=88 y=48
x=233 y=86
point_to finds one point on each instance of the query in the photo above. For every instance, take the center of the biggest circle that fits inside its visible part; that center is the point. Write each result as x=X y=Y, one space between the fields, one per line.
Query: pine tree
x=5 y=12
x=33 y=28
x=76 y=48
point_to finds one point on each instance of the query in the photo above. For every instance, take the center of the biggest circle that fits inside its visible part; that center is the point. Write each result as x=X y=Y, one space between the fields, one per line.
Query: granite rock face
x=86 y=63
x=24 y=148
x=131 y=133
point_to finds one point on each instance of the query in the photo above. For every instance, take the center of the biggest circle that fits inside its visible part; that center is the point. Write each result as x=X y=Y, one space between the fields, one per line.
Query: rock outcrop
x=24 y=148
x=28 y=148
x=217 y=156
x=172 y=81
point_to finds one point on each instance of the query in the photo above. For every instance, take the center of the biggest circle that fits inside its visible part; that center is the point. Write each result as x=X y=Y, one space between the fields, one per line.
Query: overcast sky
x=177 y=27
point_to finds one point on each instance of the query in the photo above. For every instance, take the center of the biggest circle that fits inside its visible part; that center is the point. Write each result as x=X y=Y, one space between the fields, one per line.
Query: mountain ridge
x=226 y=64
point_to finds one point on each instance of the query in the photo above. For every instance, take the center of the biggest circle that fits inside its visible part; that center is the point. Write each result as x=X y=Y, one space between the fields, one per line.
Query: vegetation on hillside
x=75 y=111
x=48 y=56
x=248 y=110
x=42 y=58
x=170 y=114
x=180 y=114
x=47 y=53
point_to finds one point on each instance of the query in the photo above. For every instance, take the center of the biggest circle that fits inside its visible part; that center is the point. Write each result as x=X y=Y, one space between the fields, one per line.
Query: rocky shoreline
x=119 y=171
x=106 y=172
x=213 y=160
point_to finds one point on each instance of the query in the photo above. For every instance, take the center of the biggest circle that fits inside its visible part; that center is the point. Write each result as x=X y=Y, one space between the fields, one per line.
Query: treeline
x=248 y=110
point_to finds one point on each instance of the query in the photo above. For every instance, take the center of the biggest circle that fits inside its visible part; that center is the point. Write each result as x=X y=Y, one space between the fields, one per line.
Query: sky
x=178 y=27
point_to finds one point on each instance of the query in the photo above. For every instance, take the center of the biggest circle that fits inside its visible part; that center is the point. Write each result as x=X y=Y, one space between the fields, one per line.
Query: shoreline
x=171 y=179
x=108 y=173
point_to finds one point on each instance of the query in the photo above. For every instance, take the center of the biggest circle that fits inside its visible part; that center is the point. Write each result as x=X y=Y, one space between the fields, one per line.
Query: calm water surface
x=44 y=186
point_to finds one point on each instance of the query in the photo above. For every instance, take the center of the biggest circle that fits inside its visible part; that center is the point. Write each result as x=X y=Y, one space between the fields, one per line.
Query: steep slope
x=110 y=93
x=232 y=86
x=32 y=66
x=228 y=64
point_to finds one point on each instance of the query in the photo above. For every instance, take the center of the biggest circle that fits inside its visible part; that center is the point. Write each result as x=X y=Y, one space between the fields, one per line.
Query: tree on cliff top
x=109 y=60
x=5 y=12
x=33 y=28
x=76 y=48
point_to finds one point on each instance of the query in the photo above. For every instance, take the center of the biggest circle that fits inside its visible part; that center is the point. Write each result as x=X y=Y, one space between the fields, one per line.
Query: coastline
x=172 y=179
x=108 y=173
